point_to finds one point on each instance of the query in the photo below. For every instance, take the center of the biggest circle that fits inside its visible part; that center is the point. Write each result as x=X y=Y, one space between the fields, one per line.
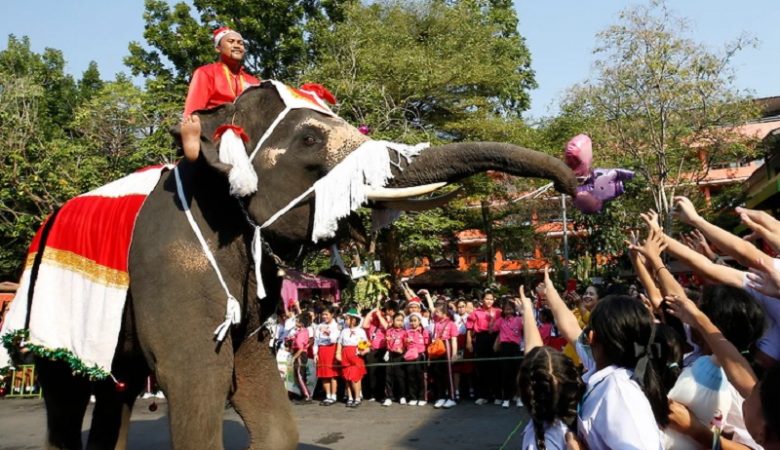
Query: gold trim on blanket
x=29 y=261
x=87 y=267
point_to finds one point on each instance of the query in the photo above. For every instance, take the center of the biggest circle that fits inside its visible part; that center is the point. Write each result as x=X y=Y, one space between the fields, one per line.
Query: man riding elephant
x=201 y=258
x=214 y=84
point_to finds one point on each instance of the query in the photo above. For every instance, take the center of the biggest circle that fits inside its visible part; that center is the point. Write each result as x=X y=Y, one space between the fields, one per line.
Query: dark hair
x=391 y=305
x=769 y=393
x=329 y=309
x=304 y=318
x=397 y=315
x=546 y=315
x=619 y=322
x=508 y=302
x=443 y=309
x=669 y=362
x=551 y=387
x=735 y=312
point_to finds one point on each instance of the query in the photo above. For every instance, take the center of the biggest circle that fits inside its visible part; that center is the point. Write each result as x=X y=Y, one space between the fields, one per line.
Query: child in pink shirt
x=417 y=339
x=441 y=367
x=395 y=338
x=507 y=345
x=300 y=346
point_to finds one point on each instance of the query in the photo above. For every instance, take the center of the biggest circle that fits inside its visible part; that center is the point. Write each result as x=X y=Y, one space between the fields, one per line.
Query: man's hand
x=685 y=210
x=765 y=279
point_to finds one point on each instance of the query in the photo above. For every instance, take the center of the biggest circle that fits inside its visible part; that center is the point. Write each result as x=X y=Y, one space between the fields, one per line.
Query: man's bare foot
x=190 y=137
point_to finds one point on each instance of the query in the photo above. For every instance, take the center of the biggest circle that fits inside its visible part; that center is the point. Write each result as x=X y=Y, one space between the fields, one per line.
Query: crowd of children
x=420 y=349
x=653 y=365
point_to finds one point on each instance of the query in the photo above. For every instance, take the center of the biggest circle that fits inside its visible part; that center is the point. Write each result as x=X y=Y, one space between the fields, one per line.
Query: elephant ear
x=210 y=120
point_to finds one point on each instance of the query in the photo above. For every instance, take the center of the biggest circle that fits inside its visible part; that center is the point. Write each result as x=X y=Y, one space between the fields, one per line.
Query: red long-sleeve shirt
x=213 y=85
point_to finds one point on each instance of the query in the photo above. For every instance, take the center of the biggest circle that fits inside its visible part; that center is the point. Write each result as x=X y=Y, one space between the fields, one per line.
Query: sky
x=560 y=35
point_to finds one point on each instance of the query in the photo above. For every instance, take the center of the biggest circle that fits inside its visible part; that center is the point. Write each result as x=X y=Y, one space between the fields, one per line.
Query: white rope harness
x=233 y=312
x=341 y=191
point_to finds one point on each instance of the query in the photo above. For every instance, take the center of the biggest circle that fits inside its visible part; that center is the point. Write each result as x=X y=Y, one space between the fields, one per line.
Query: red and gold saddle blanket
x=79 y=290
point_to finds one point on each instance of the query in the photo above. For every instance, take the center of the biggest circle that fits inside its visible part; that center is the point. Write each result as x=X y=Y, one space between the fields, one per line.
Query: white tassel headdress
x=242 y=176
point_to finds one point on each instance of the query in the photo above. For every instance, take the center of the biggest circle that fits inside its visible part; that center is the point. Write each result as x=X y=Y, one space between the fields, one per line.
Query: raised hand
x=764 y=278
x=685 y=210
x=683 y=308
x=652 y=246
x=763 y=225
x=651 y=219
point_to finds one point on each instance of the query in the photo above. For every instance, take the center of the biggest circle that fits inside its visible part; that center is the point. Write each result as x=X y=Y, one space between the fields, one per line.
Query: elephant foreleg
x=196 y=386
x=261 y=400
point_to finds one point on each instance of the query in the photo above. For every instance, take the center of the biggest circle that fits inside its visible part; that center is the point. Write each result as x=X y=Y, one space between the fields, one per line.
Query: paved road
x=23 y=426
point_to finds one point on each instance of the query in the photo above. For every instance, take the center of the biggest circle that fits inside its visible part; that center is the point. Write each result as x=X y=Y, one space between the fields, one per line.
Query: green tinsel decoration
x=12 y=341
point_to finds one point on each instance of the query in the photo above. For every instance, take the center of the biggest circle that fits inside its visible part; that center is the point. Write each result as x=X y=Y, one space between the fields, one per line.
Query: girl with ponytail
x=550 y=387
x=624 y=402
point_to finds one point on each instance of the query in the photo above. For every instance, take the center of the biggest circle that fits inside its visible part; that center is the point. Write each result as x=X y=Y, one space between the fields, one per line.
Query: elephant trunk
x=453 y=162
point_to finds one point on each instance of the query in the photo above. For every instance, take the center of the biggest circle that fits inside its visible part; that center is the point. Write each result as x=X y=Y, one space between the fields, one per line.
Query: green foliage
x=422 y=70
x=658 y=100
x=59 y=138
x=370 y=289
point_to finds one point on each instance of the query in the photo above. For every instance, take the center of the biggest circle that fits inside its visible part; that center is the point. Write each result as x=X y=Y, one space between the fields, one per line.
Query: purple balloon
x=600 y=187
x=363 y=128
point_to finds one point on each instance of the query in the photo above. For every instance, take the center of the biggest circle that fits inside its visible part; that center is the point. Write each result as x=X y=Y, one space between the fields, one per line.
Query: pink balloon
x=579 y=155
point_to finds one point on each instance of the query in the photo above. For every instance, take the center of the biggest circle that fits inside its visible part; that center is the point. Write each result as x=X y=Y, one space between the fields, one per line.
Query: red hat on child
x=221 y=32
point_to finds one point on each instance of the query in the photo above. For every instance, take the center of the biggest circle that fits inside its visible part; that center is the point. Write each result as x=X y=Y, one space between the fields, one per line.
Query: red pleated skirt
x=353 y=367
x=466 y=367
x=326 y=362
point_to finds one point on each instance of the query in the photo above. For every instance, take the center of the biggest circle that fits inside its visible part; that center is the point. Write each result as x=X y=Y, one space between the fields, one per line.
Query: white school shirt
x=323 y=338
x=351 y=337
x=614 y=412
x=460 y=322
x=554 y=436
x=287 y=327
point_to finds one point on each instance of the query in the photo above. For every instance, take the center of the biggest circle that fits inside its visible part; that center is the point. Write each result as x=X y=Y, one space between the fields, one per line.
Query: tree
x=178 y=42
x=59 y=138
x=422 y=70
x=427 y=70
x=661 y=103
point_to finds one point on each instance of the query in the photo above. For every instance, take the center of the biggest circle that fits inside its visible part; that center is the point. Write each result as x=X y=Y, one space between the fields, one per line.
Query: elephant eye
x=309 y=140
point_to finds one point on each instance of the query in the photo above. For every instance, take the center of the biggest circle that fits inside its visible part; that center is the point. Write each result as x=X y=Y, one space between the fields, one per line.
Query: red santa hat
x=220 y=32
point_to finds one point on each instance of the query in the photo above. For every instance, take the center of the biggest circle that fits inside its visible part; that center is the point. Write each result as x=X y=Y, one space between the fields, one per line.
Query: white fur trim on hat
x=222 y=33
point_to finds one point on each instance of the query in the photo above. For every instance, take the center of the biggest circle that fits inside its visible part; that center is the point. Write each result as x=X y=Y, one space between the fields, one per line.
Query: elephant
x=175 y=300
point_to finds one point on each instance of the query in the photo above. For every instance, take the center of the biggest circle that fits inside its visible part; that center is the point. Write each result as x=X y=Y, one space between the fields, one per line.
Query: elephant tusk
x=402 y=193
x=418 y=204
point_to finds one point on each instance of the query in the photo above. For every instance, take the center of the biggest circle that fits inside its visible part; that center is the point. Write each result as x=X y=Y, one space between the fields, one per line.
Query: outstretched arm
x=531 y=334
x=737 y=368
x=639 y=262
x=763 y=225
x=651 y=249
x=696 y=261
x=744 y=252
x=564 y=318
